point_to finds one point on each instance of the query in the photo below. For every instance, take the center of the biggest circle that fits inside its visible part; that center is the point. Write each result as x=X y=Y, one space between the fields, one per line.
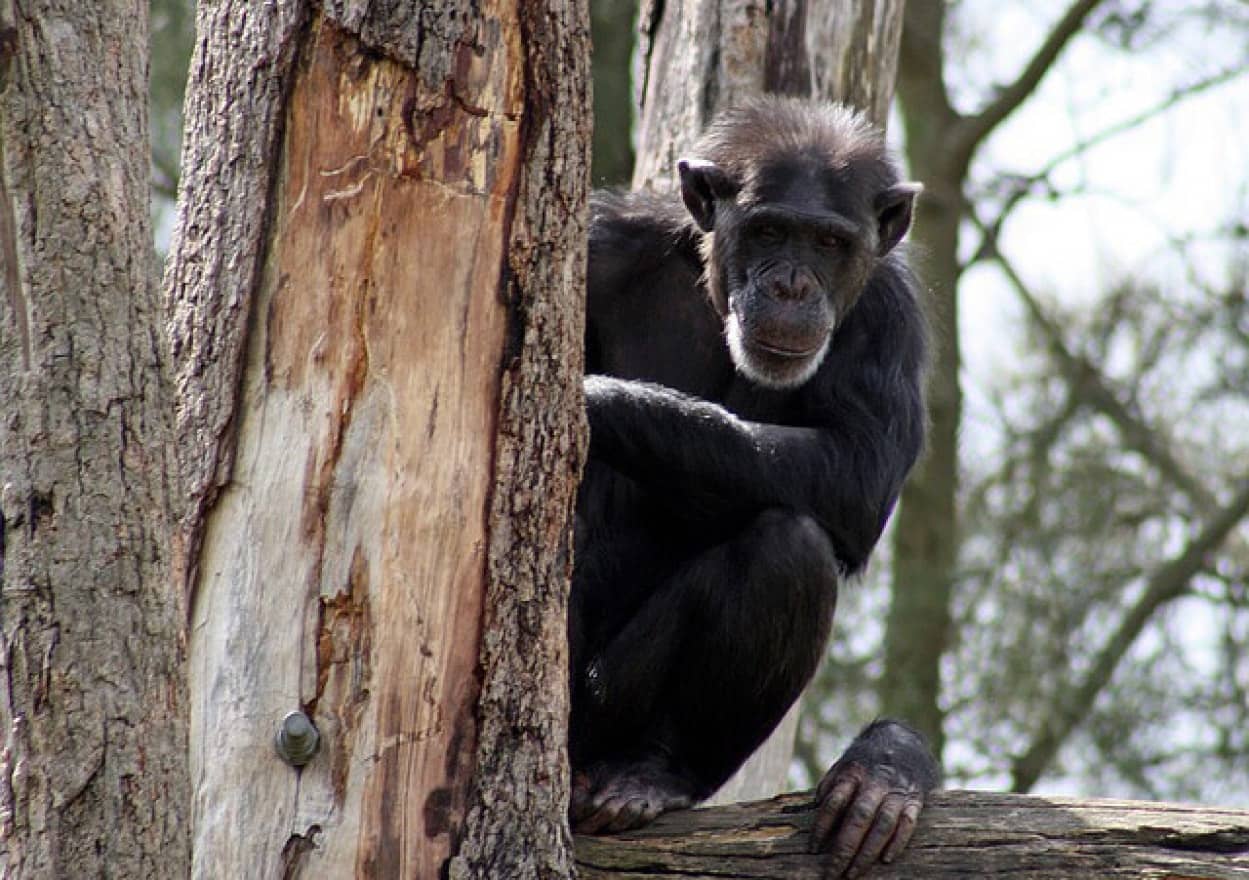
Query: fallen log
x=962 y=834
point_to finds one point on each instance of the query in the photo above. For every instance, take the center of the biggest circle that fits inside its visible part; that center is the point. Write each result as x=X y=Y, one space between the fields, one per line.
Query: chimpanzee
x=756 y=363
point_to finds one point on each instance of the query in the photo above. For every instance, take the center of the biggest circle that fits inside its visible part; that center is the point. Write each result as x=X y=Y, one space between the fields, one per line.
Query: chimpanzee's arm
x=845 y=474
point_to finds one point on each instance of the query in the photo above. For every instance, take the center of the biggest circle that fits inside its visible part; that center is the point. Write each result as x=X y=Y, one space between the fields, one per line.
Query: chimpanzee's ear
x=893 y=214
x=702 y=184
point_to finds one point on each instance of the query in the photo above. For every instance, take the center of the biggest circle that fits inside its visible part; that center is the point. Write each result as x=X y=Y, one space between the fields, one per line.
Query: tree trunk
x=93 y=777
x=926 y=535
x=375 y=289
x=961 y=834
x=697 y=56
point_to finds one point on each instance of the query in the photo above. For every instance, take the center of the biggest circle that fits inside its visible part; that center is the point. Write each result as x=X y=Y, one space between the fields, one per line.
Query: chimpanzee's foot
x=616 y=797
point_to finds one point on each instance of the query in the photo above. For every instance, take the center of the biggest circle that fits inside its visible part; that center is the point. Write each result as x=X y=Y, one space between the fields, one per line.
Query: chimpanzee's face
x=791 y=252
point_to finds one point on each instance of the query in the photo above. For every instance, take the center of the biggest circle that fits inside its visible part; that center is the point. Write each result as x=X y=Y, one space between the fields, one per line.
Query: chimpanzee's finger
x=878 y=835
x=836 y=774
x=829 y=811
x=629 y=816
x=855 y=825
x=607 y=811
x=902 y=836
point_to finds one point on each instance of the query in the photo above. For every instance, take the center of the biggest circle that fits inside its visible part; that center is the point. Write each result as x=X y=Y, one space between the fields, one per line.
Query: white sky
x=1182 y=173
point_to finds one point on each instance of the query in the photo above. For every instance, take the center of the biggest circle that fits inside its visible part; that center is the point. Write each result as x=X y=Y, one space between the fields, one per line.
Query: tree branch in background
x=921 y=76
x=164 y=175
x=1041 y=440
x=973 y=129
x=1169 y=582
x=1166 y=584
x=1177 y=96
x=1090 y=385
x=1021 y=185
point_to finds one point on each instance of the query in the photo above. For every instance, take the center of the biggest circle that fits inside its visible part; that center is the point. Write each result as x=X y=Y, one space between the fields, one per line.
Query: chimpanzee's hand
x=868 y=803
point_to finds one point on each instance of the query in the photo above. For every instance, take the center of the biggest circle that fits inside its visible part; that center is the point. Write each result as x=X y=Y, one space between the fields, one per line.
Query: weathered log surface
x=962 y=834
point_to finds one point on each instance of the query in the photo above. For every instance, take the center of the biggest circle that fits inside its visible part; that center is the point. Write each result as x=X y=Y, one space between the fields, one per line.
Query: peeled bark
x=93 y=777
x=375 y=287
x=697 y=56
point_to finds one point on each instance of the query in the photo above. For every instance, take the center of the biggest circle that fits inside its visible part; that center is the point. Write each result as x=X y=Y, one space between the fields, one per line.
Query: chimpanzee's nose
x=798 y=286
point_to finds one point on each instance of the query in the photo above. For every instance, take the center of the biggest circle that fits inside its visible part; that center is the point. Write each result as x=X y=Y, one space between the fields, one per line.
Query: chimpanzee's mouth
x=785 y=351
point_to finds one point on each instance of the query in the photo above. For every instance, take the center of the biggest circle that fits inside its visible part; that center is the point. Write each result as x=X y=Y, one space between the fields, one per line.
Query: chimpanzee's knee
x=785 y=578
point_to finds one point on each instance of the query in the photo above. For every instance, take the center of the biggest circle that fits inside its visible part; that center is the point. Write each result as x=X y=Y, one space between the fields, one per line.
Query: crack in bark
x=296 y=850
x=8 y=247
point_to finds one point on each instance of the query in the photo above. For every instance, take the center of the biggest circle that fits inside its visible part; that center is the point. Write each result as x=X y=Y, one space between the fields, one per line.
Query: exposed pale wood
x=233 y=110
x=961 y=835
x=384 y=517
x=696 y=56
x=93 y=778
x=353 y=534
x=854 y=48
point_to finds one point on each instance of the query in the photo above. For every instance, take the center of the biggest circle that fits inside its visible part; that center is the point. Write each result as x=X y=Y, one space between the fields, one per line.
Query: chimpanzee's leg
x=701 y=674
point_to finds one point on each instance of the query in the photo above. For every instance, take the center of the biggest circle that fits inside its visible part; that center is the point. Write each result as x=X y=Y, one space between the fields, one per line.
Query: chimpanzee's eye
x=769 y=233
x=830 y=241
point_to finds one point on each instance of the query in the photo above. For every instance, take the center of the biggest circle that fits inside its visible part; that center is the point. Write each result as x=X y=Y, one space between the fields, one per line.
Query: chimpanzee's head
x=797 y=203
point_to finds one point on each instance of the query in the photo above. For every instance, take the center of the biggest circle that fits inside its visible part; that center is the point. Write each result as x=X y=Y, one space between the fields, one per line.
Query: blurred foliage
x=172 y=36
x=613 y=31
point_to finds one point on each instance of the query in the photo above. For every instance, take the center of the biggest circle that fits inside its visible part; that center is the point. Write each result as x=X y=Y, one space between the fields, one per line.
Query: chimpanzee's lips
x=784 y=351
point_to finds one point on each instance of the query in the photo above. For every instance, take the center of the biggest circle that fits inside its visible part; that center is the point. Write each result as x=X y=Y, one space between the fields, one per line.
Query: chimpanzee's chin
x=771 y=365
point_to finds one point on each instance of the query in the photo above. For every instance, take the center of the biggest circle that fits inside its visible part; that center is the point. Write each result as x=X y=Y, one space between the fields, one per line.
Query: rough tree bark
x=961 y=834
x=375 y=300
x=93 y=778
x=696 y=56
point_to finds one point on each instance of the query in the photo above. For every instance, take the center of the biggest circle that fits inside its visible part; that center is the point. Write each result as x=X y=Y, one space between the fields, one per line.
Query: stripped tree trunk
x=697 y=56
x=375 y=293
x=93 y=778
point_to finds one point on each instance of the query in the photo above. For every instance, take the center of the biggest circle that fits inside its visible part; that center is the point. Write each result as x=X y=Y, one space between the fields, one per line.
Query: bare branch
x=973 y=129
x=1166 y=584
x=1089 y=385
x=1177 y=96
x=1021 y=185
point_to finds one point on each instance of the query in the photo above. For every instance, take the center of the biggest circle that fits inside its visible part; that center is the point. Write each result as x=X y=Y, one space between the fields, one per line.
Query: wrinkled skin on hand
x=868 y=803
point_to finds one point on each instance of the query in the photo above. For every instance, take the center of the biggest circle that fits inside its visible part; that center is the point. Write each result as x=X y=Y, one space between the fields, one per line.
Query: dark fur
x=718 y=515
